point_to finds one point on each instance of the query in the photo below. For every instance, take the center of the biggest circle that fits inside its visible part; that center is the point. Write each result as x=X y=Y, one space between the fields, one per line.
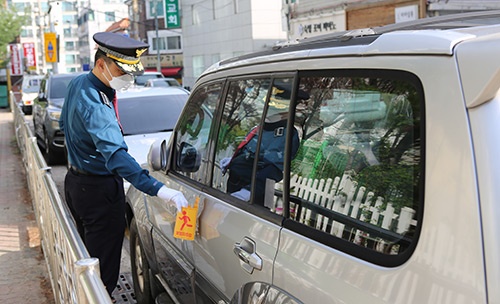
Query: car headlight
x=54 y=115
x=54 y=118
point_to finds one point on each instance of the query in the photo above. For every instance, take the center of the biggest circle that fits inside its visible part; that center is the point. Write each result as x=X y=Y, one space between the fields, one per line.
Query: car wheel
x=26 y=110
x=140 y=267
x=51 y=157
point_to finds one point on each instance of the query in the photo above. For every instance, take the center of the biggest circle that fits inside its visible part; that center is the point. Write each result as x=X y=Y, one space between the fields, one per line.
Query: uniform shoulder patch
x=105 y=99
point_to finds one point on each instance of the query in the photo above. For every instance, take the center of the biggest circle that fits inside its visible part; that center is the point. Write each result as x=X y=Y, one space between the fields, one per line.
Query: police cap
x=124 y=50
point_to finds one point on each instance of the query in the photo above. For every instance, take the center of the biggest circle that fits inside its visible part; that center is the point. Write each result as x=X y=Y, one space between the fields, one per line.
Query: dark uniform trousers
x=97 y=204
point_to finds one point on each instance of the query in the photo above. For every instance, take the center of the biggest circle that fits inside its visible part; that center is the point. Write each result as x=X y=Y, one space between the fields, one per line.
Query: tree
x=10 y=28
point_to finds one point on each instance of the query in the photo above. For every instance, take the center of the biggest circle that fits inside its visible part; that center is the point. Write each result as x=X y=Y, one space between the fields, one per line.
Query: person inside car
x=271 y=153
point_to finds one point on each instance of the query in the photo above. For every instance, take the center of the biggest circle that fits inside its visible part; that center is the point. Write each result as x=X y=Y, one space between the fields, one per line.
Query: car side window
x=191 y=148
x=243 y=109
x=357 y=174
x=251 y=139
x=42 y=92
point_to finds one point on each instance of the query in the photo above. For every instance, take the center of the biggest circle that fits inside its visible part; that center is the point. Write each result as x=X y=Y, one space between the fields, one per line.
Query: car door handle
x=246 y=252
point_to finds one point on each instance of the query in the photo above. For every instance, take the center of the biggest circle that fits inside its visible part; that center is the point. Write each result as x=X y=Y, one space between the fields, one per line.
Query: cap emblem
x=139 y=52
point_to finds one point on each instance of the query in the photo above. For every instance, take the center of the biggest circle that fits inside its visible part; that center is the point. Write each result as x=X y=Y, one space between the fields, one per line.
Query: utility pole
x=157 y=43
x=55 y=68
x=135 y=19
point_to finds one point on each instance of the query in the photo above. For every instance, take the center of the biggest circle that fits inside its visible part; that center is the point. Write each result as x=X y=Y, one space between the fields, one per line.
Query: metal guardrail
x=74 y=275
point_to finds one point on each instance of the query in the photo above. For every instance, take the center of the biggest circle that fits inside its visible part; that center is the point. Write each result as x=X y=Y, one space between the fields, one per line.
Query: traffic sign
x=50 y=47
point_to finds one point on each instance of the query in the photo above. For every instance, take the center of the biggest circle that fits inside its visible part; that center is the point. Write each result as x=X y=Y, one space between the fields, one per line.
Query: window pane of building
x=174 y=43
x=110 y=16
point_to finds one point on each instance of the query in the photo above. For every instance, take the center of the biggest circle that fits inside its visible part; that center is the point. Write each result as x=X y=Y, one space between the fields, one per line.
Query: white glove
x=242 y=194
x=171 y=195
x=224 y=163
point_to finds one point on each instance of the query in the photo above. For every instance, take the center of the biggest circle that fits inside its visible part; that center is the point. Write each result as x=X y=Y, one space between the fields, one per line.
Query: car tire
x=139 y=267
x=27 y=110
x=51 y=156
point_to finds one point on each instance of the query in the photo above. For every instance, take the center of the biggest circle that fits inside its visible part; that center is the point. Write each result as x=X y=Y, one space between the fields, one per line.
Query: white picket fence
x=343 y=196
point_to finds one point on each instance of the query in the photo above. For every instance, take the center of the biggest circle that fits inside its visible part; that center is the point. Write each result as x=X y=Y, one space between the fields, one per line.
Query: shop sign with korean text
x=16 y=65
x=30 y=55
x=172 y=15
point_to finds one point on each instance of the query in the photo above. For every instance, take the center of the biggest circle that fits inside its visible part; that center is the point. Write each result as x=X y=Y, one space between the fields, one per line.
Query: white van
x=29 y=91
x=360 y=167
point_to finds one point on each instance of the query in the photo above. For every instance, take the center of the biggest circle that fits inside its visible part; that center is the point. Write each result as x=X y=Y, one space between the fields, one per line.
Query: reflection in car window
x=243 y=109
x=191 y=155
x=358 y=170
x=251 y=150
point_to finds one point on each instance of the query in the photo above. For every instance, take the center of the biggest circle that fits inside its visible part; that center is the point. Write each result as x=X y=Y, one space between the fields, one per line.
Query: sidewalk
x=24 y=276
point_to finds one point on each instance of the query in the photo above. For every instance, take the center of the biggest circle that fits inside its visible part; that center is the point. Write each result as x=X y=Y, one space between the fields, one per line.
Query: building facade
x=206 y=31
x=97 y=16
x=73 y=22
x=220 y=29
x=147 y=23
x=48 y=16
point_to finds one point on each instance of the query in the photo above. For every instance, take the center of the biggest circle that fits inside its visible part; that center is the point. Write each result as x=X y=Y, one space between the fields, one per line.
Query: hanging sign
x=172 y=15
x=50 y=41
x=16 y=65
x=29 y=55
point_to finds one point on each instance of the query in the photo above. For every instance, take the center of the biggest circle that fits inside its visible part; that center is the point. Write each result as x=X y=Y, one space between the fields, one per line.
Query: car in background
x=142 y=79
x=46 y=112
x=148 y=115
x=29 y=91
x=162 y=82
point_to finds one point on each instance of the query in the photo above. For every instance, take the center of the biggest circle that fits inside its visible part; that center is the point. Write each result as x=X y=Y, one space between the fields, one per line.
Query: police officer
x=97 y=154
x=271 y=153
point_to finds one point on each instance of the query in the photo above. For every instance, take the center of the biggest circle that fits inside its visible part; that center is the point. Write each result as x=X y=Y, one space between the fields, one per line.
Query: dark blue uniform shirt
x=93 y=137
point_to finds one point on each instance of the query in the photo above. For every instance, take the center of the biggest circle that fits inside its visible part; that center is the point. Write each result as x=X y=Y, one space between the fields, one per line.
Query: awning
x=168 y=72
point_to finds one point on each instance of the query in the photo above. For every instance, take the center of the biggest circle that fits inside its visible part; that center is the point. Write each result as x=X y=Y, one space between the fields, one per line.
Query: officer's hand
x=171 y=195
x=224 y=163
x=242 y=194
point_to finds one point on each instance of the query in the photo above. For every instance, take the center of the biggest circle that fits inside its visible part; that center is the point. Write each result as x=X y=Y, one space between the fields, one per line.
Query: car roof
x=434 y=35
x=133 y=92
x=150 y=73
x=160 y=79
x=31 y=76
x=63 y=75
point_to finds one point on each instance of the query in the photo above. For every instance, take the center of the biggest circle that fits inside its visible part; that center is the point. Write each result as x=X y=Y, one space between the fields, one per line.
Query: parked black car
x=46 y=112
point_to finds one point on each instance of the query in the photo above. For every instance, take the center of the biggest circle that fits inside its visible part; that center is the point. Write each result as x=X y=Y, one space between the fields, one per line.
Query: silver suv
x=355 y=168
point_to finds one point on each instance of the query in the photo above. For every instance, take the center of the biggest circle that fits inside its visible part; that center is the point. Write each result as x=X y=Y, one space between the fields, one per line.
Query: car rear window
x=31 y=85
x=59 y=86
x=142 y=79
x=150 y=114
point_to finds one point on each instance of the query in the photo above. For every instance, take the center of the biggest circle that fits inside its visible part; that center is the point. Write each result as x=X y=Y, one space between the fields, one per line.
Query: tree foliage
x=10 y=28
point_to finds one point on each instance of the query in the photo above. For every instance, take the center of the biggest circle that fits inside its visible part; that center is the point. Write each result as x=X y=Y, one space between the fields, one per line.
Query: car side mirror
x=188 y=158
x=157 y=155
x=41 y=97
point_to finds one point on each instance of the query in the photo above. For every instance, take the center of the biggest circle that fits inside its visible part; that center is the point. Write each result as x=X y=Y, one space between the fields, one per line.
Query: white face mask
x=119 y=83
